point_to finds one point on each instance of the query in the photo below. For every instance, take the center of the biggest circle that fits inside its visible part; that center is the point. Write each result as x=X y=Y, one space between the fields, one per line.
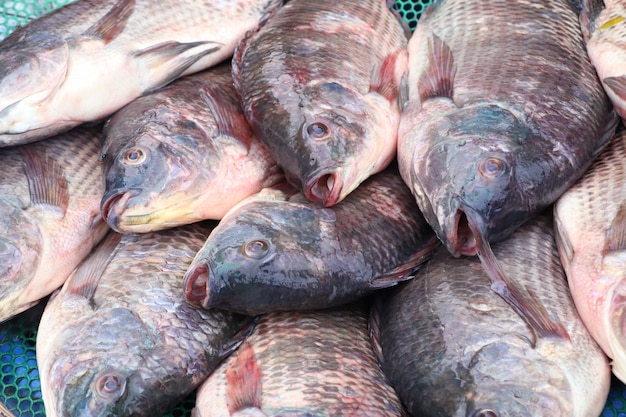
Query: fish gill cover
x=19 y=377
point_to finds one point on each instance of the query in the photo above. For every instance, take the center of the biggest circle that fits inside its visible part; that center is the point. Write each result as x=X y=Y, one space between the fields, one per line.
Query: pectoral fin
x=437 y=80
x=166 y=60
x=243 y=380
x=85 y=278
x=228 y=118
x=109 y=26
x=407 y=269
x=46 y=182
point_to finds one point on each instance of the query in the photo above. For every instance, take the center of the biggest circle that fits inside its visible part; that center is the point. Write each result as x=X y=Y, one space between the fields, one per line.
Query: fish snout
x=196 y=285
x=324 y=188
x=112 y=207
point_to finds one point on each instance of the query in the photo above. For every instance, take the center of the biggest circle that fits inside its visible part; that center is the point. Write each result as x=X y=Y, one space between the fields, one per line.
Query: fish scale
x=310 y=364
x=122 y=314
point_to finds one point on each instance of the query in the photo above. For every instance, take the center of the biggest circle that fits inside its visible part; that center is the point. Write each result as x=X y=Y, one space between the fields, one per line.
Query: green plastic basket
x=19 y=378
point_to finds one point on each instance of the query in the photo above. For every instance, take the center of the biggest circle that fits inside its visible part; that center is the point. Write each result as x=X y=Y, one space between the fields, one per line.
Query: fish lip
x=316 y=187
x=460 y=238
x=196 y=285
x=112 y=205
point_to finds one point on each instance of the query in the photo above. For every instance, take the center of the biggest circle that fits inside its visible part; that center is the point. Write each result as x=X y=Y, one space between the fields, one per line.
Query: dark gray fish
x=49 y=214
x=119 y=339
x=89 y=58
x=279 y=251
x=505 y=113
x=451 y=347
x=590 y=220
x=182 y=154
x=320 y=82
x=302 y=364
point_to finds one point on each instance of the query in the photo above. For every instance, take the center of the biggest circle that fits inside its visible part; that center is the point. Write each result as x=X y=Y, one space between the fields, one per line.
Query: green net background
x=19 y=378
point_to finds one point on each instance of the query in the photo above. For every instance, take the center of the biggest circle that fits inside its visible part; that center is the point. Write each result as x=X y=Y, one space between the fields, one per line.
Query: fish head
x=260 y=258
x=31 y=70
x=154 y=171
x=505 y=381
x=337 y=139
x=110 y=363
x=21 y=245
x=466 y=180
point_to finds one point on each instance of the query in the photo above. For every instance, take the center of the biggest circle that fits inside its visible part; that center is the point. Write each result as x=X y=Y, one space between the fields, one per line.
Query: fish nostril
x=196 y=284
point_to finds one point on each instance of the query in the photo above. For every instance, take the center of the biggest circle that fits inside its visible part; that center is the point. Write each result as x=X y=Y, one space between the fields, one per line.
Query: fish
x=302 y=363
x=182 y=154
x=87 y=59
x=278 y=251
x=603 y=24
x=320 y=83
x=49 y=214
x=118 y=338
x=504 y=112
x=590 y=221
x=451 y=347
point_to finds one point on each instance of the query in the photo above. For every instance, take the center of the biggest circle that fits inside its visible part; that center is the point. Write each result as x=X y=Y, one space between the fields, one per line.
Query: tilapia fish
x=452 y=347
x=319 y=82
x=118 y=338
x=590 y=220
x=297 y=364
x=182 y=154
x=86 y=60
x=505 y=112
x=604 y=28
x=49 y=214
x=278 y=251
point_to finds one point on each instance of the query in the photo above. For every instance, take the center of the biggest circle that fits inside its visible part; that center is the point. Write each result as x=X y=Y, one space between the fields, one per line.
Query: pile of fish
x=304 y=209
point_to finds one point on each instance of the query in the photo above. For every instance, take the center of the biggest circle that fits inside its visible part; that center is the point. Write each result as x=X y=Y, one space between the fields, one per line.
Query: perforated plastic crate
x=19 y=378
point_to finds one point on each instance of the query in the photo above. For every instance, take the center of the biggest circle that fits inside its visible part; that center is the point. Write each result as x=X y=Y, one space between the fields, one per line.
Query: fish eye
x=484 y=412
x=256 y=249
x=317 y=130
x=110 y=386
x=134 y=156
x=491 y=167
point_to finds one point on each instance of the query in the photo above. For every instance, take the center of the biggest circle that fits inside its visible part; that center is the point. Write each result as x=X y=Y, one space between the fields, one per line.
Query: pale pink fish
x=591 y=225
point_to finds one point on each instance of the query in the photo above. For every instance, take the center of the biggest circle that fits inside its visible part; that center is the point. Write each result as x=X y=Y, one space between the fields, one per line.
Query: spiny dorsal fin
x=438 y=78
x=85 y=278
x=109 y=26
x=46 y=182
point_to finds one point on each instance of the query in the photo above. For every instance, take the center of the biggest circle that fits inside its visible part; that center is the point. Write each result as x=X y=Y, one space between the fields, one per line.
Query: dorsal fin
x=229 y=118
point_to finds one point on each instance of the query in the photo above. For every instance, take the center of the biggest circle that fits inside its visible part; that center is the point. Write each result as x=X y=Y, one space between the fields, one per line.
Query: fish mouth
x=111 y=208
x=196 y=285
x=324 y=188
x=460 y=238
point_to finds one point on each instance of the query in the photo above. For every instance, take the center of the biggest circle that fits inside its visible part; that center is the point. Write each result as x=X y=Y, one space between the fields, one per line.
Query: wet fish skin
x=319 y=83
x=604 y=27
x=512 y=138
x=49 y=206
x=277 y=251
x=591 y=224
x=57 y=71
x=451 y=347
x=182 y=154
x=118 y=339
x=309 y=363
